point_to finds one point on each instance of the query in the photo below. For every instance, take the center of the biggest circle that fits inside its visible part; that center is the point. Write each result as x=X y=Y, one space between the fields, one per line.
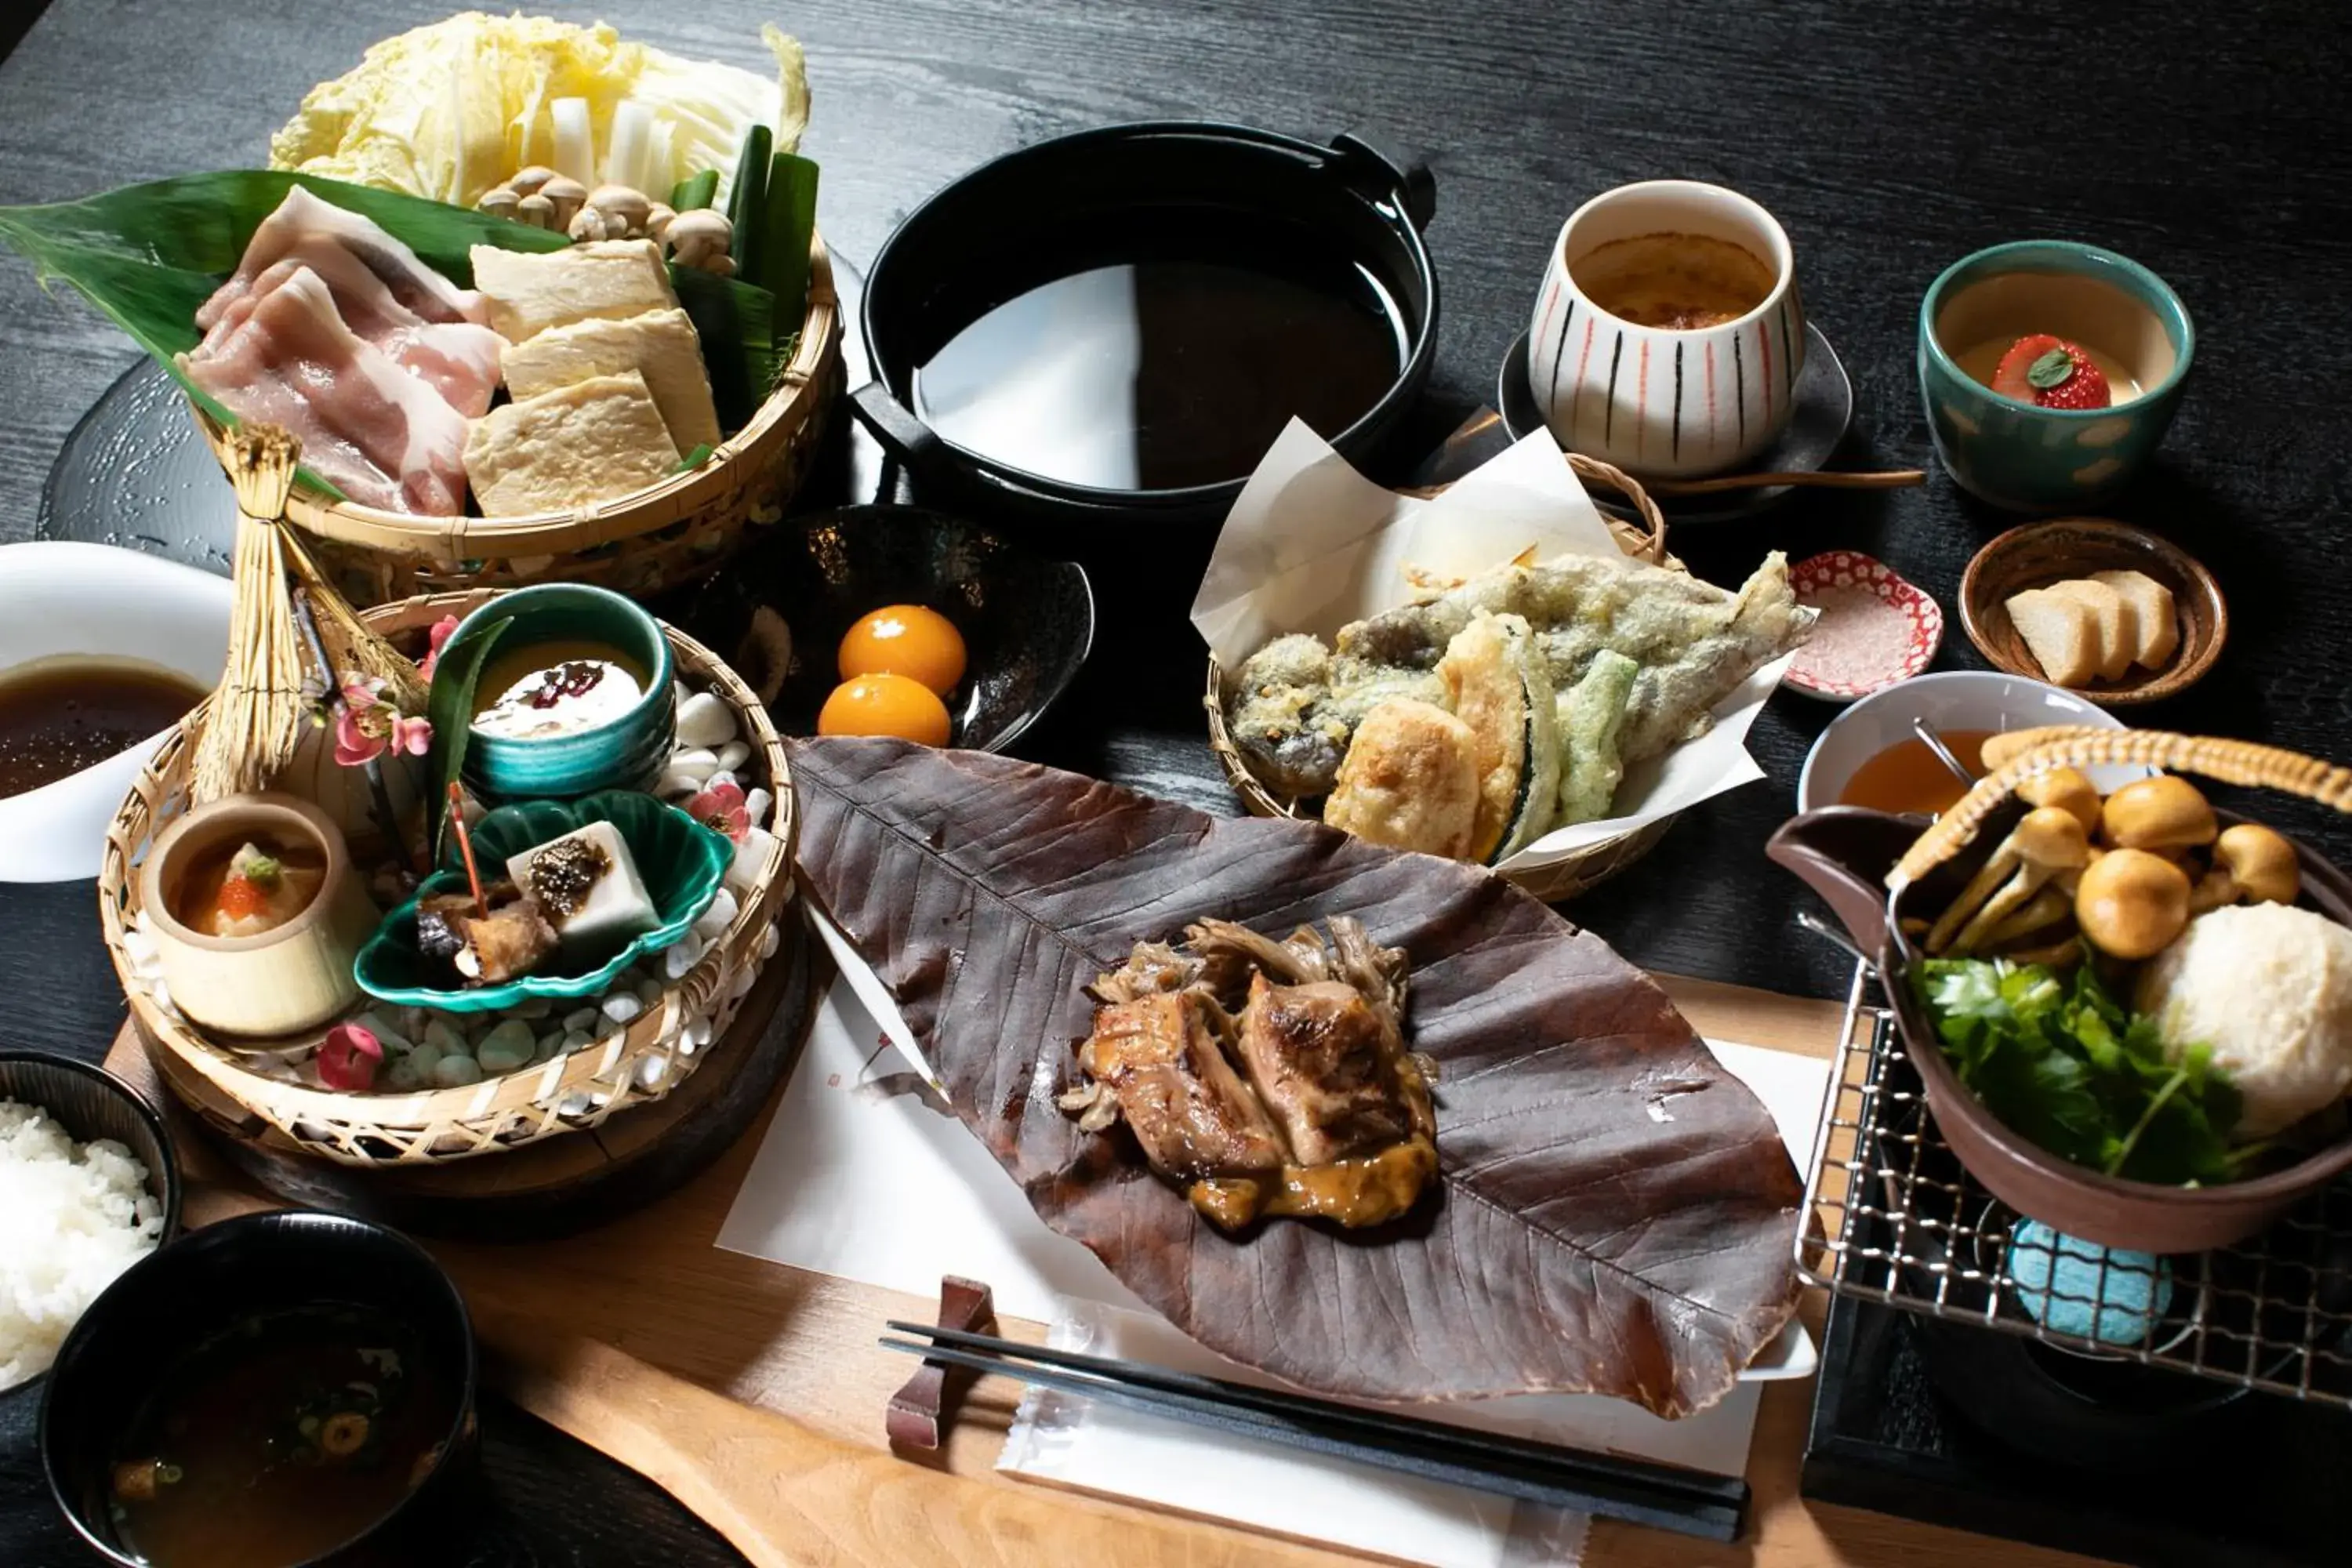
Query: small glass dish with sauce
x=1871 y=756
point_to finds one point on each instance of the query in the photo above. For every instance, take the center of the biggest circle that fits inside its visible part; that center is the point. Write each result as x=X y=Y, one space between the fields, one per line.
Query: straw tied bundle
x=294 y=648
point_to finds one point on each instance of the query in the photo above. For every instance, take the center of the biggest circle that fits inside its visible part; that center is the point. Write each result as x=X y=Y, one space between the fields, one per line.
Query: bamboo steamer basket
x=674 y=533
x=1564 y=878
x=651 y=1056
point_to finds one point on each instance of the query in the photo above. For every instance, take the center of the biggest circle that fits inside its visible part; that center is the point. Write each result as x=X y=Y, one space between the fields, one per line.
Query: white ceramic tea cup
x=60 y=597
x=1653 y=400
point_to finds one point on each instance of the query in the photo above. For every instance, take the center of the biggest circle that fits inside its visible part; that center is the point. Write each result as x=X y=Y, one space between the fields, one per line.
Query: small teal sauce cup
x=625 y=752
x=2021 y=457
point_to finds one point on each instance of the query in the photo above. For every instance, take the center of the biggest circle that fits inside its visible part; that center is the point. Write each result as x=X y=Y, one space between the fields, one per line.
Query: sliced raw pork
x=457 y=359
x=303 y=223
x=382 y=437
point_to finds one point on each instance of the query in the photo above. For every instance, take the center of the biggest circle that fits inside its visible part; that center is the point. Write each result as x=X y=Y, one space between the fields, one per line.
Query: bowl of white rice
x=88 y=1187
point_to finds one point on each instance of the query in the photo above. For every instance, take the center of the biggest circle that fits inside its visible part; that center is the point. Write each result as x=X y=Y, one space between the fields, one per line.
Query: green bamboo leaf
x=747 y=203
x=450 y=707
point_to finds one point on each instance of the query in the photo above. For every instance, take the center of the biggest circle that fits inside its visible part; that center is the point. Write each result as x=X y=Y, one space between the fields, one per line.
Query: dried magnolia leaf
x=1617 y=1212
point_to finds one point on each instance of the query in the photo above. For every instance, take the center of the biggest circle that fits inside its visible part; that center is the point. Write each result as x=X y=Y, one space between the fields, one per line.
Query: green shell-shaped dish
x=682 y=863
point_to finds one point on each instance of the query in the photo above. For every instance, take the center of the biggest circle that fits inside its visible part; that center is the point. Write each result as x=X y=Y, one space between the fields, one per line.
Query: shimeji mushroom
x=2164 y=815
x=699 y=239
x=2132 y=903
x=2066 y=789
x=2047 y=845
x=2252 y=864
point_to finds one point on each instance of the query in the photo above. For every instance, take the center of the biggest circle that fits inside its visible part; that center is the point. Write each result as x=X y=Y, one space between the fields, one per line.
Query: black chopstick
x=1633 y=1491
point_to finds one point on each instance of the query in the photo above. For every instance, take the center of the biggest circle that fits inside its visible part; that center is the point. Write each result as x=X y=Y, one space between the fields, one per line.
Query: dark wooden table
x=1890 y=138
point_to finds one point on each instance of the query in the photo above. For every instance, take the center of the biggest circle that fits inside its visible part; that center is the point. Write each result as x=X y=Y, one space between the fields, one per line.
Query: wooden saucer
x=2040 y=554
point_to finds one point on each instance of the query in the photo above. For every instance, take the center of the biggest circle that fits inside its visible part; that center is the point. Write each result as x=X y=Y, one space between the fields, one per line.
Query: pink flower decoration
x=443 y=630
x=350 y=1057
x=356 y=744
x=413 y=736
x=721 y=806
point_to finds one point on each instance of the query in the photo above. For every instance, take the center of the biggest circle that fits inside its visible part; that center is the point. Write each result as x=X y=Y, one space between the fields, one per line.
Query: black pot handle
x=1377 y=167
x=903 y=436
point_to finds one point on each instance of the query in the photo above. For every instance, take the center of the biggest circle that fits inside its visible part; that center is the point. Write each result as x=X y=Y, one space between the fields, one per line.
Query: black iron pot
x=1114 y=196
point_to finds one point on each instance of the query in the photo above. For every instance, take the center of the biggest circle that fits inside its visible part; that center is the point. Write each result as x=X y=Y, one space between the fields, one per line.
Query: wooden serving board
x=754 y=1393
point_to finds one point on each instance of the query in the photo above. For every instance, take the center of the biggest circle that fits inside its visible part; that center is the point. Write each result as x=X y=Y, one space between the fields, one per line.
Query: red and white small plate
x=1876 y=626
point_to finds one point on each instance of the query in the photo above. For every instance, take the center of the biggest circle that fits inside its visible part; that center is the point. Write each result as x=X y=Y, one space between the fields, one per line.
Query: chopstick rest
x=1635 y=1491
x=918 y=1412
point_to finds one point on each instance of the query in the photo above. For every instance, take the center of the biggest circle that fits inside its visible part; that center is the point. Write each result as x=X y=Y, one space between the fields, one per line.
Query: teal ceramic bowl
x=625 y=752
x=682 y=863
x=2022 y=457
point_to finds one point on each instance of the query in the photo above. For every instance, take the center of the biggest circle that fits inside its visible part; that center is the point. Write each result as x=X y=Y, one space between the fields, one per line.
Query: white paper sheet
x=1311 y=544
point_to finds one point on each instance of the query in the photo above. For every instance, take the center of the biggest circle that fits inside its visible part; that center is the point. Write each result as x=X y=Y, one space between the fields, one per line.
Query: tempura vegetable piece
x=1592 y=717
x=1500 y=690
x=1409 y=781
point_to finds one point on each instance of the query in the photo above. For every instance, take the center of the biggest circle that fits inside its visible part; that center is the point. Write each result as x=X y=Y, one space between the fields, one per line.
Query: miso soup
x=279 y=1440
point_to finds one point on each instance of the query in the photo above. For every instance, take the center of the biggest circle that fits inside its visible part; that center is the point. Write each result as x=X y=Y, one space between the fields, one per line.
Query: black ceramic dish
x=1301 y=235
x=171 y=1302
x=1027 y=623
x=89 y=1102
x=1823 y=415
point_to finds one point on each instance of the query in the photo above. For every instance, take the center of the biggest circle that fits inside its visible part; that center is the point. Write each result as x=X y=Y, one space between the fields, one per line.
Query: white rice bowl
x=72 y=1216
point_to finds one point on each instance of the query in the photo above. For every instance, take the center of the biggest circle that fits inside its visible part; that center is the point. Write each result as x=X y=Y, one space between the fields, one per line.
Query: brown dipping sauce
x=279 y=1440
x=1907 y=777
x=62 y=715
x=1679 y=282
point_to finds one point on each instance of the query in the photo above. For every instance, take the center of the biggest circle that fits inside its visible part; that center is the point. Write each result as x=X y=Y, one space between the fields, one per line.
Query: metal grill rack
x=1904 y=1224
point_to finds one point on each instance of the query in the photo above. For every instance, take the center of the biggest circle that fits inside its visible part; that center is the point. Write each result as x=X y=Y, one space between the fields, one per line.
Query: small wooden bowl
x=2040 y=554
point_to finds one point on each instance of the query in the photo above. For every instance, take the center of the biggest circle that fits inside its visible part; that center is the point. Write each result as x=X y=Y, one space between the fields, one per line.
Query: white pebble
x=505 y=1048
x=750 y=858
x=579 y=1018
x=756 y=804
x=576 y=1038
x=141 y=947
x=696 y=763
x=673 y=782
x=704 y=719
x=412 y=1071
x=444 y=1037
x=573 y=1104
x=620 y=1006
x=768 y=942
x=550 y=1045
x=387 y=1033
x=680 y=956
x=532 y=1008
x=697 y=1031
x=733 y=755
x=456 y=1072
x=745 y=978
x=649 y=990
x=722 y=776
x=651 y=1071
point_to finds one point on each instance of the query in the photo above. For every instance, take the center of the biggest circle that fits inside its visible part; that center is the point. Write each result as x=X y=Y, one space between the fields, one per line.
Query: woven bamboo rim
x=2031 y=752
x=746 y=478
x=1575 y=872
x=581 y=1089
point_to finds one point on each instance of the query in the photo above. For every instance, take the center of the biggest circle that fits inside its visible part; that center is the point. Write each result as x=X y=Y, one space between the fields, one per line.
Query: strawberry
x=2051 y=373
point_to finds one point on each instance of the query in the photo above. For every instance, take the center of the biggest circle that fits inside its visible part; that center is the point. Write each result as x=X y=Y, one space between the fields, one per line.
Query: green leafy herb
x=149 y=254
x=2059 y=1060
x=451 y=708
x=696 y=459
x=2052 y=369
x=694 y=192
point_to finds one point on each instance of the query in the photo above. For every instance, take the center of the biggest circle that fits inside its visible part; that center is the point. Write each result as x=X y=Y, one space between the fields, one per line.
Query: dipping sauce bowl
x=2019 y=455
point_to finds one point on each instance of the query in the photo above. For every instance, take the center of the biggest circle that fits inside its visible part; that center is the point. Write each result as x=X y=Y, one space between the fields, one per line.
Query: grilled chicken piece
x=1331 y=1068
x=1161 y=1059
